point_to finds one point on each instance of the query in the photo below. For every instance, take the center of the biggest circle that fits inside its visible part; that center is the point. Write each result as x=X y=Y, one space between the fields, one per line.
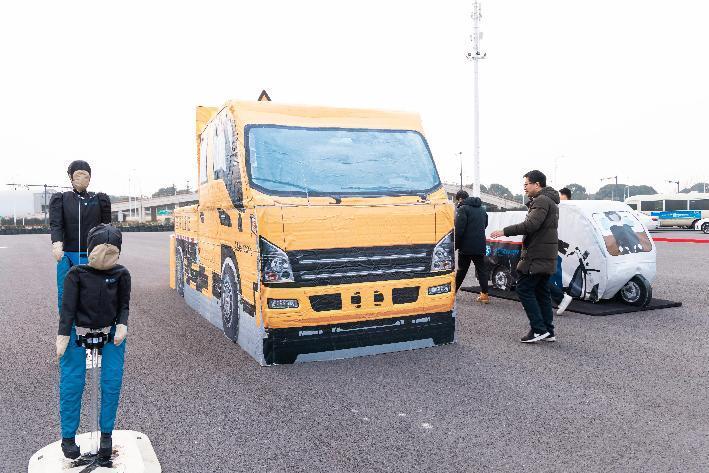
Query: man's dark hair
x=461 y=194
x=565 y=191
x=536 y=176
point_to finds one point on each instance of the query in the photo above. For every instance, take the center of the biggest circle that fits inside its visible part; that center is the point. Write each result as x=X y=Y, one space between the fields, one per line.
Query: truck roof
x=252 y=112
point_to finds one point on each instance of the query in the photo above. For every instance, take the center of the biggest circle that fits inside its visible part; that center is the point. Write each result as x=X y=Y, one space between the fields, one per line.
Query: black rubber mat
x=585 y=307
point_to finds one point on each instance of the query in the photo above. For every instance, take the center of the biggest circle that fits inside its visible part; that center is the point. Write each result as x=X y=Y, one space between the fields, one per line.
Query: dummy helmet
x=102 y=234
x=78 y=165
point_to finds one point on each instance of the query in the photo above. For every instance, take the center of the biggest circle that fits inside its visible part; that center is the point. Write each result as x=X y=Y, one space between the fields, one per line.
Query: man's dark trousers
x=464 y=265
x=533 y=292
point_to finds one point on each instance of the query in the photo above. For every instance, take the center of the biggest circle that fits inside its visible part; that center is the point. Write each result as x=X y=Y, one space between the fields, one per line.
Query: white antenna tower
x=474 y=54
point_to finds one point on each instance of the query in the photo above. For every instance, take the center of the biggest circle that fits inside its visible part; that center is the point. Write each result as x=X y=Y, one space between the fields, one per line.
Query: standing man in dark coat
x=539 y=255
x=71 y=215
x=470 y=225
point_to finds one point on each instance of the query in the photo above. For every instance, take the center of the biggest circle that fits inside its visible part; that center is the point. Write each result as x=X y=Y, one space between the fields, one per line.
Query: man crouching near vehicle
x=539 y=252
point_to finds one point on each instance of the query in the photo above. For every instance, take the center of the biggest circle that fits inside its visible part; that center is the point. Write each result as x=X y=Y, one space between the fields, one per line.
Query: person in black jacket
x=96 y=298
x=540 y=252
x=71 y=215
x=470 y=225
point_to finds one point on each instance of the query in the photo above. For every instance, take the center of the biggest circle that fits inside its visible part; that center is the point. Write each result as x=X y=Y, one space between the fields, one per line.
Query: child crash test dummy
x=94 y=306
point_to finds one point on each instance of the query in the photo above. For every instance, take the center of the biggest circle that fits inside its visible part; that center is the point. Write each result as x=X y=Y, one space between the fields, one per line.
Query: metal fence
x=39 y=229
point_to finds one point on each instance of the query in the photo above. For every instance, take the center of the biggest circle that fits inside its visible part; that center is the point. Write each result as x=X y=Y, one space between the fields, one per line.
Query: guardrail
x=13 y=230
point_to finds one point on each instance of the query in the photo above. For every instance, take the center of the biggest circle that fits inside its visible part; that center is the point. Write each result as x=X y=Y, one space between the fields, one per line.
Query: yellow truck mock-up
x=320 y=233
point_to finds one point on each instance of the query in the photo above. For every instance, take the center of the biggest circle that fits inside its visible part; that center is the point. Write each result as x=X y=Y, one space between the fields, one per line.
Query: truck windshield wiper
x=295 y=186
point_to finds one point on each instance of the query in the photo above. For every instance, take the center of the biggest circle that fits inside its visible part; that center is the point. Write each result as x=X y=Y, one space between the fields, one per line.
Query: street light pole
x=475 y=55
x=675 y=182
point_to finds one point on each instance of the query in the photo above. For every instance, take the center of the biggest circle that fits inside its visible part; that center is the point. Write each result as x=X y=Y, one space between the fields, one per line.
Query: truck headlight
x=275 y=267
x=443 y=254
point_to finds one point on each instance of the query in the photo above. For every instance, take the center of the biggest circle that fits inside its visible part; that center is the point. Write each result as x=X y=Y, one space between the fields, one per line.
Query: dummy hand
x=58 y=250
x=497 y=234
x=62 y=343
x=120 y=335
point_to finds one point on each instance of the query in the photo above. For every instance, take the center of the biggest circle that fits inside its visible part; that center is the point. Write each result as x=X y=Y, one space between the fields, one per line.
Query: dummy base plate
x=132 y=453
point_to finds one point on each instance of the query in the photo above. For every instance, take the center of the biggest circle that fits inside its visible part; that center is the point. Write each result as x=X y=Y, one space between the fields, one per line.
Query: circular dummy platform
x=132 y=453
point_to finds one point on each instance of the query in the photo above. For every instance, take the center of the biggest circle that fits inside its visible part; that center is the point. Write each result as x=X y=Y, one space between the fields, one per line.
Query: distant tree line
x=579 y=192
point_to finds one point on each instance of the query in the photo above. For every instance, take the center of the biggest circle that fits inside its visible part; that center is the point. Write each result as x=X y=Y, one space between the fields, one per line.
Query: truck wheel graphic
x=637 y=292
x=230 y=300
x=705 y=227
x=179 y=272
x=502 y=278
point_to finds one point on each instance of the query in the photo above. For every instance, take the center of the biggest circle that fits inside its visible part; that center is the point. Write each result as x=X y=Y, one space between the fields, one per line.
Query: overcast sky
x=599 y=88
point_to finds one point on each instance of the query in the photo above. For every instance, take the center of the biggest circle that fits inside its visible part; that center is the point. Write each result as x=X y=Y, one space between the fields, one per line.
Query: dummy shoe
x=70 y=449
x=105 y=447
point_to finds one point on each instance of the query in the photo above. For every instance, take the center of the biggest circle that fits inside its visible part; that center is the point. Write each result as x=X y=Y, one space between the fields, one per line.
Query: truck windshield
x=287 y=160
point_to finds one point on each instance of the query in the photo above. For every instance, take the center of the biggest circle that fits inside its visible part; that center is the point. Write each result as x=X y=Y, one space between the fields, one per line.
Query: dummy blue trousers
x=72 y=369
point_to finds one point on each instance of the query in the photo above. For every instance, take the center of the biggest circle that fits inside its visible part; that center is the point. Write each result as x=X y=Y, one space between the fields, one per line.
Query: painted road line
x=682 y=240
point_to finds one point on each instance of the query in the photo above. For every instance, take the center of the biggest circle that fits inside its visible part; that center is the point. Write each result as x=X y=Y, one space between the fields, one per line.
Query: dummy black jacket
x=94 y=298
x=64 y=220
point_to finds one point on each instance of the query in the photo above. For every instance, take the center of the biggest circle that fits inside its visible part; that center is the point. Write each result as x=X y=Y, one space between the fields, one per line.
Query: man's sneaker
x=532 y=337
x=550 y=338
x=564 y=304
x=483 y=298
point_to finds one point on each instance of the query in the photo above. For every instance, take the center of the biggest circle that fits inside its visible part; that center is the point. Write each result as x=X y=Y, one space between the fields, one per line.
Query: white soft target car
x=605 y=252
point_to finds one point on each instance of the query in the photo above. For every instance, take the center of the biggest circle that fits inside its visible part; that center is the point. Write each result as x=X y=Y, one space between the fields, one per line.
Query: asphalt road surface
x=627 y=392
x=679 y=233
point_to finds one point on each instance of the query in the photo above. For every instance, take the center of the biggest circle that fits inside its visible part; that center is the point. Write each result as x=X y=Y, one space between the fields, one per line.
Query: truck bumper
x=344 y=340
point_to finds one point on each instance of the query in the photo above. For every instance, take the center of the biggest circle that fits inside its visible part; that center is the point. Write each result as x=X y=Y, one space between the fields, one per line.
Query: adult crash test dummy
x=96 y=299
x=71 y=215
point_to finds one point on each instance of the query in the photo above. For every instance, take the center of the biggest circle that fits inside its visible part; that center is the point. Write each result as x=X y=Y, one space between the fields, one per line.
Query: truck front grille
x=347 y=265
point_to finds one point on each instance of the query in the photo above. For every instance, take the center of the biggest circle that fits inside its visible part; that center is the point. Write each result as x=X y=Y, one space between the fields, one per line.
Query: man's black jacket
x=64 y=218
x=470 y=225
x=94 y=298
x=540 y=244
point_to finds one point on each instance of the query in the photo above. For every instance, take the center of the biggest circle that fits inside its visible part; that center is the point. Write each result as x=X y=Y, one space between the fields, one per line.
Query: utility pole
x=460 y=154
x=130 y=209
x=474 y=54
x=612 y=188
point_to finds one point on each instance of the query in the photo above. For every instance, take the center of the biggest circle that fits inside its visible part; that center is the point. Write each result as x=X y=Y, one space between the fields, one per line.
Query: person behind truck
x=558 y=296
x=470 y=224
x=71 y=215
x=96 y=298
x=539 y=255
